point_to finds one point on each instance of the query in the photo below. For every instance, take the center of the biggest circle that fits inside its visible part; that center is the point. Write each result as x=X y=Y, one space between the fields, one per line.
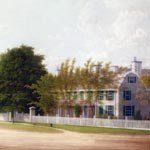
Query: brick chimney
x=136 y=66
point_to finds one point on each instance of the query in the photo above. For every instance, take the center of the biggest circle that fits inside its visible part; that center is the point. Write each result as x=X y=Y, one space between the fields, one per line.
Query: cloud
x=4 y=30
x=115 y=30
x=106 y=30
x=128 y=29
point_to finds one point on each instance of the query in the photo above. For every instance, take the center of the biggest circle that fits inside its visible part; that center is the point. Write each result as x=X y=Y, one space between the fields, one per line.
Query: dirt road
x=22 y=140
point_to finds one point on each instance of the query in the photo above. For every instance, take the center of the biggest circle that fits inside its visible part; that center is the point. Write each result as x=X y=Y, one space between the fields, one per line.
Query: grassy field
x=45 y=128
x=28 y=127
x=85 y=129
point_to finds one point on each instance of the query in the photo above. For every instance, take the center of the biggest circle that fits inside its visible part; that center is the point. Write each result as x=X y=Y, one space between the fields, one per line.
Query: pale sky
x=104 y=30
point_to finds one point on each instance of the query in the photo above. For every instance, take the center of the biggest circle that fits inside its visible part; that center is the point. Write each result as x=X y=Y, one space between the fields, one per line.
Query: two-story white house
x=124 y=102
x=121 y=102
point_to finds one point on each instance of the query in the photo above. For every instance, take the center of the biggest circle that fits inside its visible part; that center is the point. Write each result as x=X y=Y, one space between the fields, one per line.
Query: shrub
x=138 y=115
x=78 y=110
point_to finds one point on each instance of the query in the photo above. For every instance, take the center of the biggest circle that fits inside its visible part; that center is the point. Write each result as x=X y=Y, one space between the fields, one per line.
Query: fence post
x=126 y=121
x=94 y=120
x=32 y=112
x=47 y=120
x=80 y=120
x=9 y=116
x=68 y=119
x=57 y=119
x=109 y=121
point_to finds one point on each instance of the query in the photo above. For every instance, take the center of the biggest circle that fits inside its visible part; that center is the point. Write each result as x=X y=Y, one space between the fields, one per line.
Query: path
x=22 y=140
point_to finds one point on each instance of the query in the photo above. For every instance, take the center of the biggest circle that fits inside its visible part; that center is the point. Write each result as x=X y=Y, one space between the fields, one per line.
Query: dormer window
x=131 y=79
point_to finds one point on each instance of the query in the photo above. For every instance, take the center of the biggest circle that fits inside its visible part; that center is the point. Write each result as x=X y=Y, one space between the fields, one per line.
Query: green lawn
x=28 y=127
x=85 y=129
x=45 y=128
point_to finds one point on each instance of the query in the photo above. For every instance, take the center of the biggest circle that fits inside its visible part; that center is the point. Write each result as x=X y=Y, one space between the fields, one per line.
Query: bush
x=78 y=110
x=105 y=116
x=138 y=115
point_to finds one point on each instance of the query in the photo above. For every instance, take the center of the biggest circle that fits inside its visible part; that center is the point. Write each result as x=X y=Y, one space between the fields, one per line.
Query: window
x=81 y=95
x=131 y=79
x=75 y=95
x=101 y=110
x=68 y=95
x=101 y=95
x=128 y=110
x=127 y=95
x=110 y=95
x=90 y=95
x=109 y=110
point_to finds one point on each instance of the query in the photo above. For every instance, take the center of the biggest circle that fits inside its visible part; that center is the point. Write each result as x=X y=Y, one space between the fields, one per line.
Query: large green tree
x=19 y=68
x=48 y=96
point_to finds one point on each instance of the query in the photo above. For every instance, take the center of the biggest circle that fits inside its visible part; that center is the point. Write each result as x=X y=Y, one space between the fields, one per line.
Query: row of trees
x=93 y=75
x=24 y=80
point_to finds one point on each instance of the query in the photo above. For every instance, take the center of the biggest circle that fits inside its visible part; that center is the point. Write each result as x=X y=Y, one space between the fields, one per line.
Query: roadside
x=24 y=140
x=67 y=140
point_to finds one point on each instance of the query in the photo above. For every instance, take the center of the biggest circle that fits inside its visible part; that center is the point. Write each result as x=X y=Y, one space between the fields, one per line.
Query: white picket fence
x=94 y=122
x=5 y=116
x=22 y=117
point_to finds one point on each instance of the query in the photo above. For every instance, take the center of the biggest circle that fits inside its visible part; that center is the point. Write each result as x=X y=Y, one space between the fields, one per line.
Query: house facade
x=122 y=102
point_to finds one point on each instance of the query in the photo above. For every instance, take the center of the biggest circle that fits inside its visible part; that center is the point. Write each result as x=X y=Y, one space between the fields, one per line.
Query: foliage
x=93 y=75
x=143 y=96
x=138 y=115
x=20 y=75
x=78 y=110
x=146 y=80
x=70 y=78
x=46 y=89
x=19 y=67
x=103 y=116
x=65 y=78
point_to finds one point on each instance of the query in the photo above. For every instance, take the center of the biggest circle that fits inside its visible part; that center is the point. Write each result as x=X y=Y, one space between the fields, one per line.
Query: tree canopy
x=62 y=86
x=46 y=89
x=24 y=81
x=146 y=80
x=19 y=67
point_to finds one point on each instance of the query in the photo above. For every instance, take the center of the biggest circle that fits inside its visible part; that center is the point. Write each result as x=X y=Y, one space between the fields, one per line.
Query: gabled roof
x=124 y=75
x=129 y=72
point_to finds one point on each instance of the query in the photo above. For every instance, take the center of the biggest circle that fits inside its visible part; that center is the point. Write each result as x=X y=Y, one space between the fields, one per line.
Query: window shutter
x=106 y=109
x=135 y=79
x=132 y=110
x=113 y=110
x=129 y=95
x=124 y=95
x=124 y=110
